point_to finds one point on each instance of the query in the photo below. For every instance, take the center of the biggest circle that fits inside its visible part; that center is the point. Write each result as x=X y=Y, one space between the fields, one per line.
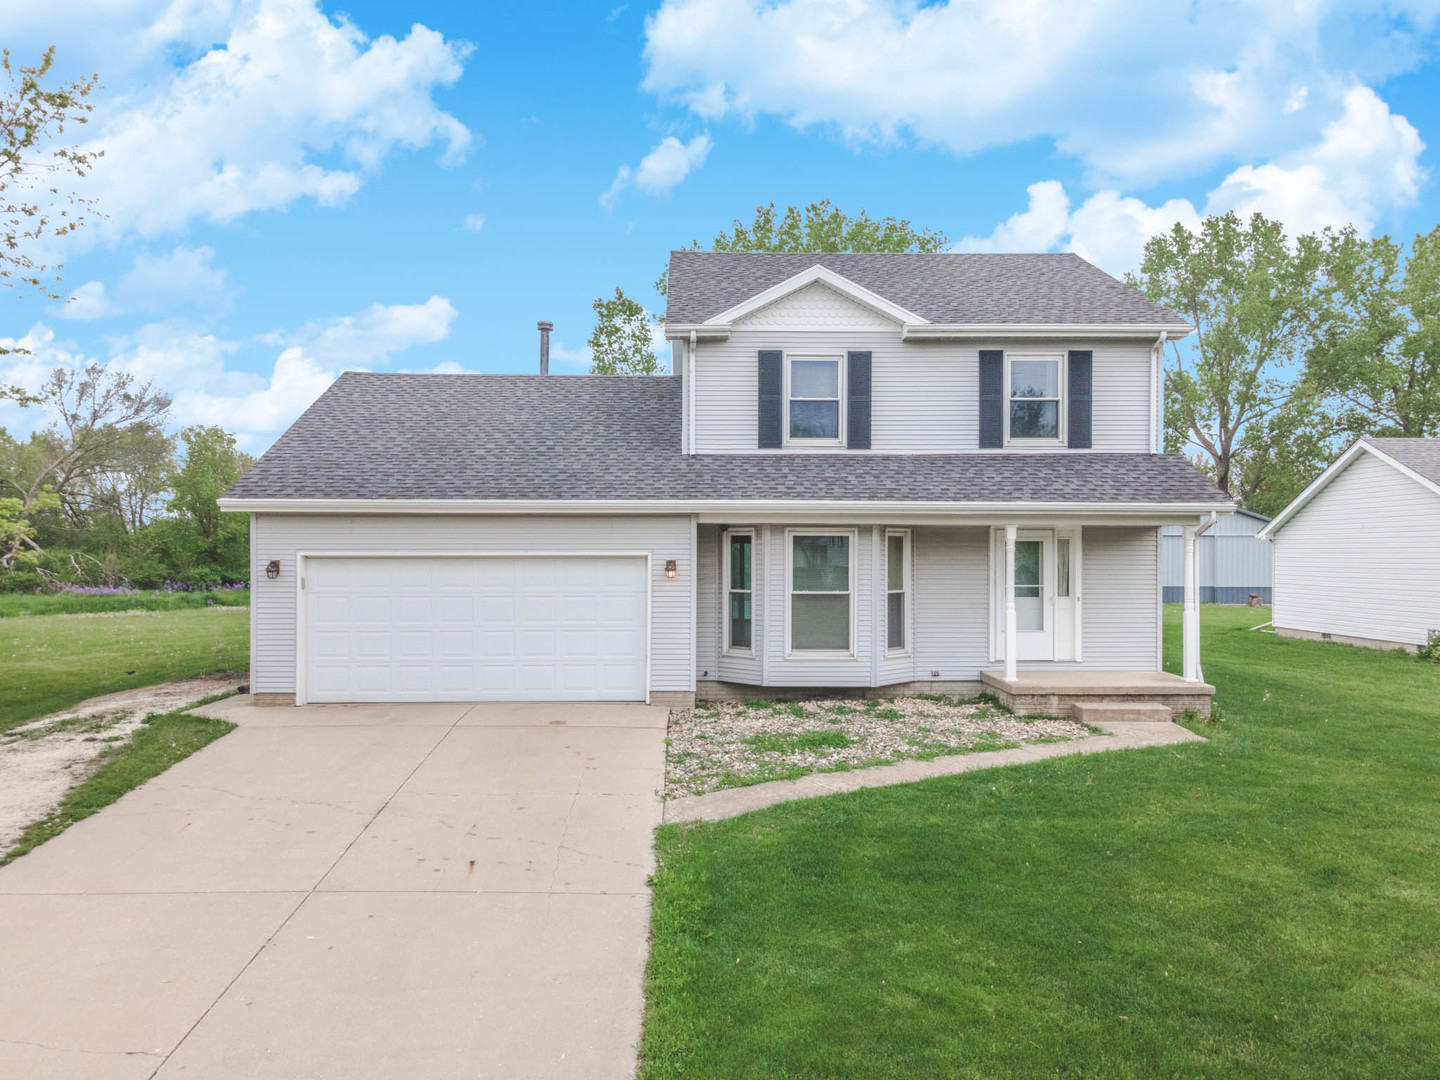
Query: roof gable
x=1393 y=452
x=959 y=289
x=816 y=302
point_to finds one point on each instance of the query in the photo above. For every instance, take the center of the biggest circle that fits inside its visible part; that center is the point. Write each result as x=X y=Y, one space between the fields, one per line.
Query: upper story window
x=813 y=395
x=1035 y=389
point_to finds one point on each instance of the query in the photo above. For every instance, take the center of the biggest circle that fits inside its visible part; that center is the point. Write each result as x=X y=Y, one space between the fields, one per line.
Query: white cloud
x=473 y=222
x=1364 y=165
x=1137 y=91
x=195 y=366
x=661 y=169
x=291 y=105
x=183 y=277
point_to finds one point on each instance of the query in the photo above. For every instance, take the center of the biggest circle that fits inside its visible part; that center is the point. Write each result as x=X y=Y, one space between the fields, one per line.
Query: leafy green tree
x=1251 y=295
x=212 y=465
x=17 y=532
x=621 y=343
x=1376 y=358
x=822 y=226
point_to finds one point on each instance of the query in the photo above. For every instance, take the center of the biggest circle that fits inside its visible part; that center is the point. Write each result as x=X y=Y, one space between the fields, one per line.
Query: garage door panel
x=433 y=628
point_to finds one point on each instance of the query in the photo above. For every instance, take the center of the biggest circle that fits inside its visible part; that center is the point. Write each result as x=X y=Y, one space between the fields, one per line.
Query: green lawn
x=1263 y=905
x=49 y=662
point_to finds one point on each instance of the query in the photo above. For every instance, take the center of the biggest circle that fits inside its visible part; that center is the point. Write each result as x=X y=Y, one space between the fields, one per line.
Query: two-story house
x=879 y=473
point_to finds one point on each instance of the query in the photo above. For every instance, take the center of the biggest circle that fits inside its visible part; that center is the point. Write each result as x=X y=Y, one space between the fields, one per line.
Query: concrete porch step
x=1120 y=712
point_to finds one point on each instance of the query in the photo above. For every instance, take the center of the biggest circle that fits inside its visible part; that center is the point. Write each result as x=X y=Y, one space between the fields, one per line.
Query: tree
x=621 y=343
x=133 y=486
x=31 y=202
x=212 y=465
x=96 y=412
x=17 y=531
x=822 y=226
x=1251 y=296
x=1377 y=354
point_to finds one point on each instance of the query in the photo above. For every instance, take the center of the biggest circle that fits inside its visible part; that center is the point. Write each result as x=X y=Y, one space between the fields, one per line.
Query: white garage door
x=475 y=629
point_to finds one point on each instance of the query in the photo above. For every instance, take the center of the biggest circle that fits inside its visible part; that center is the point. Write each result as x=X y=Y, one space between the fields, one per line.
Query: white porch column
x=1190 y=624
x=1009 y=603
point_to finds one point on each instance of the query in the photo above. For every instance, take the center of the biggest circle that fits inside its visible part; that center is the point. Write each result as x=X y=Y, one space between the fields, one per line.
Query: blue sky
x=293 y=189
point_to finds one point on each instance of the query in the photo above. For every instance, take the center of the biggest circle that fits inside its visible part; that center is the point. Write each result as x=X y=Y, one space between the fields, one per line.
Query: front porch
x=1055 y=693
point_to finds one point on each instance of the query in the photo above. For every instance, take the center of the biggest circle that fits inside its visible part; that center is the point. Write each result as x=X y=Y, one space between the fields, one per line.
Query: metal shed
x=1234 y=561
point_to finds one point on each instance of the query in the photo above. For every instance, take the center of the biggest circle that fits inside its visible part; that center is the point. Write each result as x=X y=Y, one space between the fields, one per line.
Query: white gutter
x=934 y=331
x=981 y=331
x=700 y=506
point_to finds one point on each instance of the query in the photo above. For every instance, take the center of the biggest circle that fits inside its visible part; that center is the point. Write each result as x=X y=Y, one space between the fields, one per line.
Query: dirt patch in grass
x=42 y=760
x=734 y=744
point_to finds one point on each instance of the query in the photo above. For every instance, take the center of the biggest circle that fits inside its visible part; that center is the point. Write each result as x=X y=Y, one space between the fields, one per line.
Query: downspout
x=690 y=391
x=1204 y=527
x=1157 y=393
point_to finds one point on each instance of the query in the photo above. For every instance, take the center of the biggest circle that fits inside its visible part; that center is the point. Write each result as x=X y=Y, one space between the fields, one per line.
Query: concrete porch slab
x=1054 y=692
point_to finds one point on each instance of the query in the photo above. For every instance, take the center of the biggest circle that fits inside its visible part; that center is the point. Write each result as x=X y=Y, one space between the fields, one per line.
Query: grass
x=1262 y=905
x=161 y=741
x=777 y=742
x=50 y=662
x=20 y=605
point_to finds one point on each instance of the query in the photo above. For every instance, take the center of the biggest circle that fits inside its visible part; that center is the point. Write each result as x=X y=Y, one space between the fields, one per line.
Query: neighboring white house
x=1357 y=554
x=875 y=472
x=1235 y=563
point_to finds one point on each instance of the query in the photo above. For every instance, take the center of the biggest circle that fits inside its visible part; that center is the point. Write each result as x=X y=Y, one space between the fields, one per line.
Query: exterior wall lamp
x=272 y=569
x=670 y=568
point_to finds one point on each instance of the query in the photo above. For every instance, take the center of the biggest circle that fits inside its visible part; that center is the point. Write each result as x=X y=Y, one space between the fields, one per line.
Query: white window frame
x=1059 y=360
x=838 y=359
x=790 y=535
x=907 y=562
x=725 y=537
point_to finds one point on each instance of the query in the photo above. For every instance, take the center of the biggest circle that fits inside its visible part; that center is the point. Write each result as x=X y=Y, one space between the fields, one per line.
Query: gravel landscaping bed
x=732 y=744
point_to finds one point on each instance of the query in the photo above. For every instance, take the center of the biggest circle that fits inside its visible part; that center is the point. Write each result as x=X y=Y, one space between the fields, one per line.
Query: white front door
x=551 y=628
x=1035 y=595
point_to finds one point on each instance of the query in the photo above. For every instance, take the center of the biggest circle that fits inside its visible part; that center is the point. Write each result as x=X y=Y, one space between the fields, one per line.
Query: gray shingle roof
x=1421 y=455
x=953 y=288
x=384 y=436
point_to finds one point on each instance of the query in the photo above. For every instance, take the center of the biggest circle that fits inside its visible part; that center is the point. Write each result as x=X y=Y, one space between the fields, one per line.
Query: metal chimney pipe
x=545 y=328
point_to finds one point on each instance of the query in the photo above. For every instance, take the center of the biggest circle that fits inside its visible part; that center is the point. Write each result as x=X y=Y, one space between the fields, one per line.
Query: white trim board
x=1334 y=469
x=735 y=508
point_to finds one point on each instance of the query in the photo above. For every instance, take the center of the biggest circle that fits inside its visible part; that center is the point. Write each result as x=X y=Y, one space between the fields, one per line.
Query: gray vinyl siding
x=951 y=611
x=1361 y=559
x=283 y=536
x=952 y=602
x=1120 y=575
x=925 y=394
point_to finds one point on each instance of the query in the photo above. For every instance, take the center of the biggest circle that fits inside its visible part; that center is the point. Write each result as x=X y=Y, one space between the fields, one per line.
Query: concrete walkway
x=734 y=801
x=421 y=891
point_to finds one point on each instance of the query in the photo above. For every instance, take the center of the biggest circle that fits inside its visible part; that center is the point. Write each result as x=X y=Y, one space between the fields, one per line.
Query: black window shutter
x=772 y=391
x=992 y=399
x=1079 y=382
x=857 y=428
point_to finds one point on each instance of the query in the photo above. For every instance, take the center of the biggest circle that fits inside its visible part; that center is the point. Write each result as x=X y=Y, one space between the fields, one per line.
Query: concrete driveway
x=349 y=891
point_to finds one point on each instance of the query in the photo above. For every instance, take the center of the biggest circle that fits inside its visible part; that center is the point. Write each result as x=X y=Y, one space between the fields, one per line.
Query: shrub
x=1431 y=649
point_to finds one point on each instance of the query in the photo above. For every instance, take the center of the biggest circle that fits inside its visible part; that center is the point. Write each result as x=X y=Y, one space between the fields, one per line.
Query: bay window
x=739 y=590
x=897 y=591
x=820 y=591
